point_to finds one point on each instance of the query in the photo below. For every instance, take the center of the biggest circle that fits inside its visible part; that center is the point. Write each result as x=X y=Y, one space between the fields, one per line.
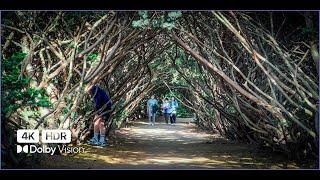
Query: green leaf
x=143 y=14
x=92 y=56
x=167 y=25
x=174 y=15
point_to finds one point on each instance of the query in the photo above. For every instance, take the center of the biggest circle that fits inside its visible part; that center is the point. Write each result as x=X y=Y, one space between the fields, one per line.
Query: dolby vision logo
x=24 y=149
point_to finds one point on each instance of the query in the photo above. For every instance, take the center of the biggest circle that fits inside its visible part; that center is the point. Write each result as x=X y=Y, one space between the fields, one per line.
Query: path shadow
x=164 y=146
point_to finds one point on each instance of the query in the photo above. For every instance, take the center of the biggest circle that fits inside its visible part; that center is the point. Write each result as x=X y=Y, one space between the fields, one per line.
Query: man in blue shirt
x=103 y=105
x=152 y=105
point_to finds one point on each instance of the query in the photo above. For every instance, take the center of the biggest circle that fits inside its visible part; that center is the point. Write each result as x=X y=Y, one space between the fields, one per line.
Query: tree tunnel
x=249 y=76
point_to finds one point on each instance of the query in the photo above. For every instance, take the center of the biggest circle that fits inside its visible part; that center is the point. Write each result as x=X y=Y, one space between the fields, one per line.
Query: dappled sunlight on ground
x=162 y=131
x=165 y=146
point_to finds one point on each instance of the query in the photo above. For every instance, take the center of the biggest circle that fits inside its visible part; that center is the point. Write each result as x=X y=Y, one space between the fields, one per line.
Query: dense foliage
x=249 y=76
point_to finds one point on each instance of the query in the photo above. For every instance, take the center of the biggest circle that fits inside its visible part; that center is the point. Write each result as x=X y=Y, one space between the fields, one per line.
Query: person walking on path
x=173 y=110
x=166 y=110
x=152 y=105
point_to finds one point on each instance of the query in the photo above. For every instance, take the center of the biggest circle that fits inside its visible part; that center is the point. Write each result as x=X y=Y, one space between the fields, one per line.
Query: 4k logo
x=24 y=149
x=27 y=136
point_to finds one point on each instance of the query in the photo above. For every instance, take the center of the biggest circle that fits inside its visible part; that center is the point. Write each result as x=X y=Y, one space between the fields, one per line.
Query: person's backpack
x=154 y=108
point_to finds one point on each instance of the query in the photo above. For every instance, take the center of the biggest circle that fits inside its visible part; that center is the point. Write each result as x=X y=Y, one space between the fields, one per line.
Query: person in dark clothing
x=103 y=105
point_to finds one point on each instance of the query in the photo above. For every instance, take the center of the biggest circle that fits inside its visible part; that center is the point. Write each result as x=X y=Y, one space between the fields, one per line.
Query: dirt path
x=168 y=147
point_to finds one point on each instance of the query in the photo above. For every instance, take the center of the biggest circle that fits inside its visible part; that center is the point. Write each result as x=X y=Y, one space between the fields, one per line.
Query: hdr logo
x=24 y=149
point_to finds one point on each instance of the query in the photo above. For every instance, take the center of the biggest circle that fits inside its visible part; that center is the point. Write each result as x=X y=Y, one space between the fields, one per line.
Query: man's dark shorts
x=104 y=116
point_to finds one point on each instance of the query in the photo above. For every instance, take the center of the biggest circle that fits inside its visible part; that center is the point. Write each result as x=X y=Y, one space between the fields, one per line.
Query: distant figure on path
x=173 y=110
x=103 y=105
x=166 y=110
x=152 y=106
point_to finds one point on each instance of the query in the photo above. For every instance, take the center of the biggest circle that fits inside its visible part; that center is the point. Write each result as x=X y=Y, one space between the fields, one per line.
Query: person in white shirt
x=173 y=110
x=166 y=109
